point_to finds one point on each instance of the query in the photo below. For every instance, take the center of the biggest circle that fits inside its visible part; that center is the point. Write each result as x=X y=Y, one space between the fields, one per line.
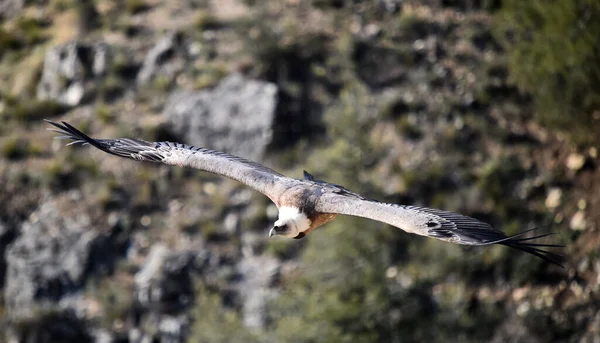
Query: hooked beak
x=272 y=232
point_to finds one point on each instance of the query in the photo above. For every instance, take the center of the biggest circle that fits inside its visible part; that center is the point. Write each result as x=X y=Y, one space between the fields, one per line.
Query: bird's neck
x=294 y=214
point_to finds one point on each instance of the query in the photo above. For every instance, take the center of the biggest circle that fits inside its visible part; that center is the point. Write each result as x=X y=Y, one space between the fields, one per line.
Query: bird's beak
x=281 y=230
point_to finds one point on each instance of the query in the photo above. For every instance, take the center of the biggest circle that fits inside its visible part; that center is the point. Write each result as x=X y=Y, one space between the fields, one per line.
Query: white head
x=291 y=223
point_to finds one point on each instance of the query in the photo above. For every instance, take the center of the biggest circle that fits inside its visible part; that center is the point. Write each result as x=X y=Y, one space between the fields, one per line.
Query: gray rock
x=7 y=235
x=259 y=273
x=164 y=283
x=47 y=262
x=9 y=8
x=102 y=336
x=554 y=197
x=68 y=70
x=575 y=161
x=578 y=221
x=514 y=330
x=236 y=117
x=47 y=268
x=164 y=291
x=166 y=58
x=391 y=6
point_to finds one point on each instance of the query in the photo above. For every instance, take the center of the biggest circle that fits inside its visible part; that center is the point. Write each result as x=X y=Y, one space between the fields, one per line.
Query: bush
x=24 y=109
x=135 y=6
x=25 y=33
x=15 y=147
x=553 y=53
x=214 y=323
x=341 y=296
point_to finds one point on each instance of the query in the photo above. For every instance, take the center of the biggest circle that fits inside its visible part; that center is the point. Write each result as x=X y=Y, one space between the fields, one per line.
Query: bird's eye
x=280 y=228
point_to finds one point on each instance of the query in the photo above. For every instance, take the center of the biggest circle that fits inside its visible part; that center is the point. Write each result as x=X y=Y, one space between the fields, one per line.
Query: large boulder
x=47 y=262
x=9 y=8
x=164 y=283
x=235 y=117
x=69 y=70
x=259 y=273
x=47 y=266
x=166 y=58
x=164 y=291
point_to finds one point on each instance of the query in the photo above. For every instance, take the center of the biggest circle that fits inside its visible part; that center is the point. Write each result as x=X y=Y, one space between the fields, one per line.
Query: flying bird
x=307 y=204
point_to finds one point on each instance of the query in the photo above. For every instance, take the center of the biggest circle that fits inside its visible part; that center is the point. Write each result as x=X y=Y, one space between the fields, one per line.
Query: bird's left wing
x=444 y=225
x=257 y=176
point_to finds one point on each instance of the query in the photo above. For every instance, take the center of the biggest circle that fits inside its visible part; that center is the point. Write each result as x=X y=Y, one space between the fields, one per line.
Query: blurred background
x=486 y=107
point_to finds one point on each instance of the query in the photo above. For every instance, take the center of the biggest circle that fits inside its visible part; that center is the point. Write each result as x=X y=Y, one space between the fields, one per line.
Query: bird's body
x=307 y=204
x=298 y=205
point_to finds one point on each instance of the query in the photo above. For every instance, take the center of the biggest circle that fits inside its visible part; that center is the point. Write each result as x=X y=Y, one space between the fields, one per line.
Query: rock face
x=259 y=273
x=44 y=262
x=10 y=7
x=68 y=70
x=47 y=266
x=6 y=237
x=166 y=58
x=164 y=291
x=236 y=117
x=513 y=331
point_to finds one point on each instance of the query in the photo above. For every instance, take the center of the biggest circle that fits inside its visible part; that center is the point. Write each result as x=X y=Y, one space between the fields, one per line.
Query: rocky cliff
x=403 y=101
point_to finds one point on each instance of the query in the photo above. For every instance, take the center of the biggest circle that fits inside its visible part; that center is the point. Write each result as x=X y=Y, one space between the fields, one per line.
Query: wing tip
x=68 y=131
x=517 y=241
x=535 y=249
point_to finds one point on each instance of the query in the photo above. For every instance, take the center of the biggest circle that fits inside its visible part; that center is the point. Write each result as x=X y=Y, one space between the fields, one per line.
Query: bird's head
x=291 y=224
x=284 y=229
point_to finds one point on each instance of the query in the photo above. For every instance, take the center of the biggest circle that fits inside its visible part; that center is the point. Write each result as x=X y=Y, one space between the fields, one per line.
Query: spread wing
x=259 y=177
x=447 y=226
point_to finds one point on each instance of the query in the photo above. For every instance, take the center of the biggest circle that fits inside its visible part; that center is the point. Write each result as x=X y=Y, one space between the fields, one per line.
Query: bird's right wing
x=444 y=225
x=257 y=176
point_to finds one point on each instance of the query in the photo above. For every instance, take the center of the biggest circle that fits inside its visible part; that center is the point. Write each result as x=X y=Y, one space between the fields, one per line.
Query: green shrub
x=16 y=147
x=25 y=109
x=25 y=33
x=135 y=6
x=553 y=55
x=104 y=113
x=9 y=41
x=115 y=296
x=206 y=21
x=32 y=30
x=342 y=294
x=214 y=322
